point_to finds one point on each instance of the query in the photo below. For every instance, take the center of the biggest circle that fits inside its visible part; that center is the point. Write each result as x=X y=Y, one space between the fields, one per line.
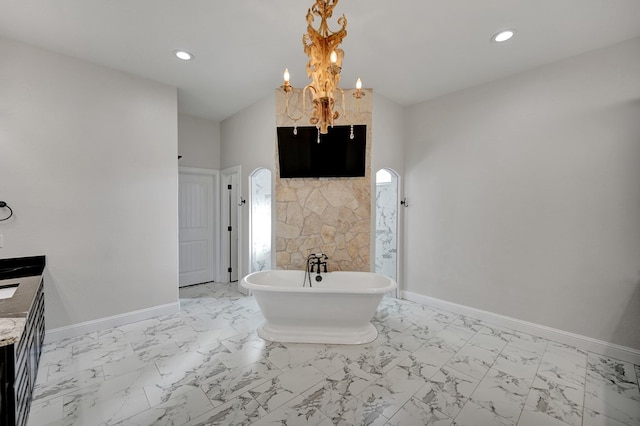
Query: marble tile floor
x=207 y=366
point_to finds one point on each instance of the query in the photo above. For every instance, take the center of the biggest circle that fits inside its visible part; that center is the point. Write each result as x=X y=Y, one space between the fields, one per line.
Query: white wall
x=198 y=142
x=248 y=140
x=388 y=135
x=525 y=196
x=88 y=161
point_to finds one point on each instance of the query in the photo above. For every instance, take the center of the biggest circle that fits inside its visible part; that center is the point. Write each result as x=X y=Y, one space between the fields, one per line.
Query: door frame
x=215 y=197
x=399 y=226
x=224 y=205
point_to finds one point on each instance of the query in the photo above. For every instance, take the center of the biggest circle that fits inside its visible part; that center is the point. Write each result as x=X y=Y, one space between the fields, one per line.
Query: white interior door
x=196 y=215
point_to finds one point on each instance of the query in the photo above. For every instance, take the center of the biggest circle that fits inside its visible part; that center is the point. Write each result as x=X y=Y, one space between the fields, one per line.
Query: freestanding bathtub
x=336 y=310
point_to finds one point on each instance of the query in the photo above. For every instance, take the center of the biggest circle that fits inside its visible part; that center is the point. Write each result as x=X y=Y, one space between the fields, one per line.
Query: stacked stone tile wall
x=324 y=215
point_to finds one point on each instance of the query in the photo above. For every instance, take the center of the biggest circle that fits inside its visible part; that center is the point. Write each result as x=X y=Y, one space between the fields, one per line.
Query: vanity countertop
x=25 y=274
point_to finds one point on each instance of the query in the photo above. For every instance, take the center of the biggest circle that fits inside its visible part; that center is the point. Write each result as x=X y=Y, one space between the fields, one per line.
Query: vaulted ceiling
x=406 y=50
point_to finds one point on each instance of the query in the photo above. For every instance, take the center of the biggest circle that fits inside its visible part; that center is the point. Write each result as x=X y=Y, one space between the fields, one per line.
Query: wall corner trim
x=584 y=343
x=87 y=327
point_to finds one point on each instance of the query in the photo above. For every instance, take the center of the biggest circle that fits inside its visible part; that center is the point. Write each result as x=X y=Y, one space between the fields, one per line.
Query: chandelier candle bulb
x=358 y=93
x=333 y=57
x=286 y=86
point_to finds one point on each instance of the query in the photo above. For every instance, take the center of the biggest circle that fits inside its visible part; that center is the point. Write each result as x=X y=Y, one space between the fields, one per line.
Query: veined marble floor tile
x=70 y=342
x=469 y=323
x=125 y=334
x=185 y=377
x=518 y=362
x=285 y=386
x=447 y=391
x=53 y=355
x=422 y=365
x=236 y=381
x=391 y=320
x=557 y=351
x=435 y=353
x=380 y=360
x=124 y=366
x=610 y=370
x=286 y=356
x=492 y=338
x=563 y=371
x=473 y=360
x=418 y=314
x=240 y=411
x=475 y=415
x=529 y=342
x=334 y=358
x=413 y=412
x=619 y=401
x=391 y=392
x=206 y=336
x=178 y=335
x=452 y=337
x=158 y=352
x=87 y=355
x=424 y=332
x=330 y=394
x=403 y=340
x=45 y=412
x=173 y=385
x=565 y=363
x=592 y=418
x=297 y=412
x=178 y=411
x=444 y=317
x=206 y=365
x=112 y=400
x=62 y=385
x=537 y=418
x=193 y=361
x=502 y=394
x=169 y=323
x=560 y=400
x=245 y=350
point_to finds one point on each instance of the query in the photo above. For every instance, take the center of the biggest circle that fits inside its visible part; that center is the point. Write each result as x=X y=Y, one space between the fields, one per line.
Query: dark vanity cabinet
x=22 y=332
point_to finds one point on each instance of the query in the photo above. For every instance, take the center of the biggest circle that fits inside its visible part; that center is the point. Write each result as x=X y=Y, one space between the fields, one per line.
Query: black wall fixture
x=5 y=206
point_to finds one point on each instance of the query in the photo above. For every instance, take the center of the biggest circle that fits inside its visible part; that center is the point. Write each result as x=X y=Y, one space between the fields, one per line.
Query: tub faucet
x=316 y=262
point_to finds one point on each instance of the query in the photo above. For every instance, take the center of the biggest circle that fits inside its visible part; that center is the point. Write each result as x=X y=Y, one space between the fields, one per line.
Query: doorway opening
x=260 y=220
x=386 y=258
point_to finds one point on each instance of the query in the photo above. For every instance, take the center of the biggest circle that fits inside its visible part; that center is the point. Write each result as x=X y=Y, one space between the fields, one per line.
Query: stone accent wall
x=324 y=215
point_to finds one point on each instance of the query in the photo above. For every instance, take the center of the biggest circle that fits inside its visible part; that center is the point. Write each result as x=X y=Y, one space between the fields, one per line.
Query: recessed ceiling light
x=183 y=54
x=503 y=35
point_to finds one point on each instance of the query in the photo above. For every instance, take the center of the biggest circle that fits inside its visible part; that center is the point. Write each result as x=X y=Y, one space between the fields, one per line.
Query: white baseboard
x=584 y=343
x=83 y=328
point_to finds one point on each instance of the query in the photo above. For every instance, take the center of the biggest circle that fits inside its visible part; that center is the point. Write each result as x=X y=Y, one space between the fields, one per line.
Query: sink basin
x=6 y=291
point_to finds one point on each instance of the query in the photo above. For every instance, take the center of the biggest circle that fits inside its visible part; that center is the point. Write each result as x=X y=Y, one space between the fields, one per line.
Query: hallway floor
x=206 y=366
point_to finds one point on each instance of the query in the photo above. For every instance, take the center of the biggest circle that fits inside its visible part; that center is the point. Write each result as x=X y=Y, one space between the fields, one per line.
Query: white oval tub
x=336 y=310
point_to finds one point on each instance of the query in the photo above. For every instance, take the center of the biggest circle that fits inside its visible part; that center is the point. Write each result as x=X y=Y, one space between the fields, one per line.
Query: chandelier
x=323 y=69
